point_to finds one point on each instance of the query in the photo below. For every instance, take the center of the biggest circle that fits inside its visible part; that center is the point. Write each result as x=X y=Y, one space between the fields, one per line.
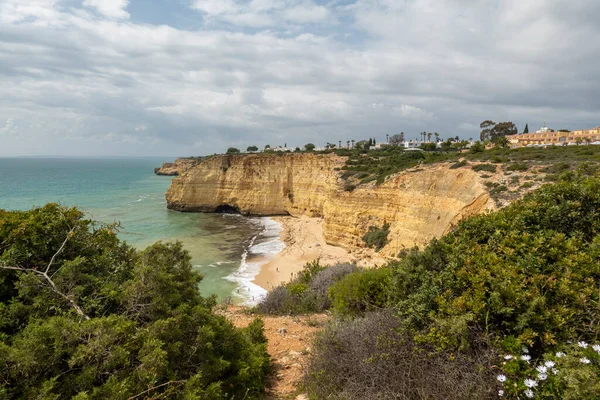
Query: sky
x=194 y=77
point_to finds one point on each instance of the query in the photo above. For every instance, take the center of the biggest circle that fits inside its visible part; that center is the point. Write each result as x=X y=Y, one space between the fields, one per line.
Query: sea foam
x=260 y=250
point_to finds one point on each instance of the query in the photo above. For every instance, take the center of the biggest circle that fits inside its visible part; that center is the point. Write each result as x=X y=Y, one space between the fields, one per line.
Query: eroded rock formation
x=419 y=204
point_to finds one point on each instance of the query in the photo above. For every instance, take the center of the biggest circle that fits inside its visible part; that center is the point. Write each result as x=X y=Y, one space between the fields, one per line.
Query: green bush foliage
x=361 y=291
x=376 y=237
x=83 y=315
x=484 y=167
x=517 y=167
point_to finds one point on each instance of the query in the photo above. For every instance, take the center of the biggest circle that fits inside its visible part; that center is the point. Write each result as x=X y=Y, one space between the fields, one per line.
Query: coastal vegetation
x=85 y=316
x=506 y=304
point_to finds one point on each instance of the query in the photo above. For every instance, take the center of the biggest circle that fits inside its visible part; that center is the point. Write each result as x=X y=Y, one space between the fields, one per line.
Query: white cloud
x=110 y=8
x=82 y=82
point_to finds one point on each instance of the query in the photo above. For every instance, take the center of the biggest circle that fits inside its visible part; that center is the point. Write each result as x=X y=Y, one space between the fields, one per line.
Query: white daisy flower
x=542 y=377
x=508 y=357
x=542 y=369
x=500 y=393
x=582 y=344
x=501 y=378
x=554 y=371
x=549 y=364
x=584 y=360
x=525 y=357
x=530 y=383
x=560 y=354
x=596 y=348
x=529 y=394
x=525 y=350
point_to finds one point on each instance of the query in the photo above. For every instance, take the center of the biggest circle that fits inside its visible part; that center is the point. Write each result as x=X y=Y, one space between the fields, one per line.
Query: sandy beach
x=304 y=241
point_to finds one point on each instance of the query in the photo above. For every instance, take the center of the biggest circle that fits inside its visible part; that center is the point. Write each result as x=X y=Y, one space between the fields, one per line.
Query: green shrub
x=349 y=188
x=361 y=175
x=527 y=271
x=517 y=167
x=459 y=164
x=527 y=185
x=108 y=321
x=557 y=168
x=484 y=167
x=377 y=238
x=361 y=291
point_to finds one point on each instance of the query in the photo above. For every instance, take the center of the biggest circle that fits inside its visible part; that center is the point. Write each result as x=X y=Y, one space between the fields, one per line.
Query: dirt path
x=290 y=344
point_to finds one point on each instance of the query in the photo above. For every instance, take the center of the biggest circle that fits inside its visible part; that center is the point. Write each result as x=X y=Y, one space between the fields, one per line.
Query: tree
x=447 y=145
x=347 y=143
x=437 y=136
x=429 y=136
x=387 y=138
x=232 y=150
x=352 y=143
x=309 y=146
x=374 y=142
x=86 y=316
x=486 y=130
x=397 y=140
x=252 y=149
x=428 y=146
x=500 y=131
x=587 y=140
x=340 y=144
x=267 y=146
x=578 y=141
x=477 y=147
x=526 y=130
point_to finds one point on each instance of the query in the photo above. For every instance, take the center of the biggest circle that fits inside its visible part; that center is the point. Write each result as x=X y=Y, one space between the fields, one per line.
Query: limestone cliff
x=177 y=167
x=418 y=204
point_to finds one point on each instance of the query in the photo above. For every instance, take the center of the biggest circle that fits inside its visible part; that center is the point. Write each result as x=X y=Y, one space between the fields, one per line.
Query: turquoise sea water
x=126 y=190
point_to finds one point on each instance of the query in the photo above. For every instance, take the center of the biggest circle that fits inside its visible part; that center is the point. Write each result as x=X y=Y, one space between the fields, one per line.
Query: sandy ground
x=304 y=242
x=289 y=345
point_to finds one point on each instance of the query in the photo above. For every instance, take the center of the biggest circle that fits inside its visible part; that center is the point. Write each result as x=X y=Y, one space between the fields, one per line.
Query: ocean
x=227 y=249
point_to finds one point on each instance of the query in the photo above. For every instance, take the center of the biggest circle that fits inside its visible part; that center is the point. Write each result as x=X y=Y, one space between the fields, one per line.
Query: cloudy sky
x=192 y=77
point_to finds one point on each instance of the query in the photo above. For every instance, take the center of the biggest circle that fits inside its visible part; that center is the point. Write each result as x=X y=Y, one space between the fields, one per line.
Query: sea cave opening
x=227 y=209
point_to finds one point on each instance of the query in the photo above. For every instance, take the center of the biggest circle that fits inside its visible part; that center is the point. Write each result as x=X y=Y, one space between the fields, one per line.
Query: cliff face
x=419 y=205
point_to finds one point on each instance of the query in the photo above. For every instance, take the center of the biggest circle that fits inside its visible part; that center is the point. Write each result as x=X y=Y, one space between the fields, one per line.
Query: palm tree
x=429 y=136
x=352 y=143
x=437 y=137
x=340 y=142
x=387 y=138
x=347 y=143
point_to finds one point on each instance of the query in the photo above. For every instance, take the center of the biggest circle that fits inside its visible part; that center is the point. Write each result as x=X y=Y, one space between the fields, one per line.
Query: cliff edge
x=419 y=204
x=177 y=167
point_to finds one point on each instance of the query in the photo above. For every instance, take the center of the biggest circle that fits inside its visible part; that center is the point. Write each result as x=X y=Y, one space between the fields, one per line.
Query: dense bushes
x=484 y=167
x=361 y=291
x=370 y=358
x=525 y=276
x=85 y=316
x=306 y=293
x=376 y=237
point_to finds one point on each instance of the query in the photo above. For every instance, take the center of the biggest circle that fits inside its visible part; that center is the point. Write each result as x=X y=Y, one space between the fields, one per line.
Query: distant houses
x=548 y=137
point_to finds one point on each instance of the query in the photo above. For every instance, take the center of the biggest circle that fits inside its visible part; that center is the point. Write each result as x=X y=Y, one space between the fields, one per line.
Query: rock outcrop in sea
x=419 y=204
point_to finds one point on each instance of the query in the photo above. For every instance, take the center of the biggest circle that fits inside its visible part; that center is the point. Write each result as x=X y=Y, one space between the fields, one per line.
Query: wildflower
x=529 y=393
x=525 y=350
x=560 y=354
x=584 y=360
x=508 y=357
x=549 y=364
x=582 y=344
x=542 y=369
x=530 y=383
x=542 y=377
x=500 y=393
x=501 y=378
x=525 y=357
x=596 y=348
x=554 y=371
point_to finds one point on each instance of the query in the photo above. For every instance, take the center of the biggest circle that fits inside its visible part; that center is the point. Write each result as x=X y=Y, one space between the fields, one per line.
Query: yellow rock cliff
x=418 y=204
